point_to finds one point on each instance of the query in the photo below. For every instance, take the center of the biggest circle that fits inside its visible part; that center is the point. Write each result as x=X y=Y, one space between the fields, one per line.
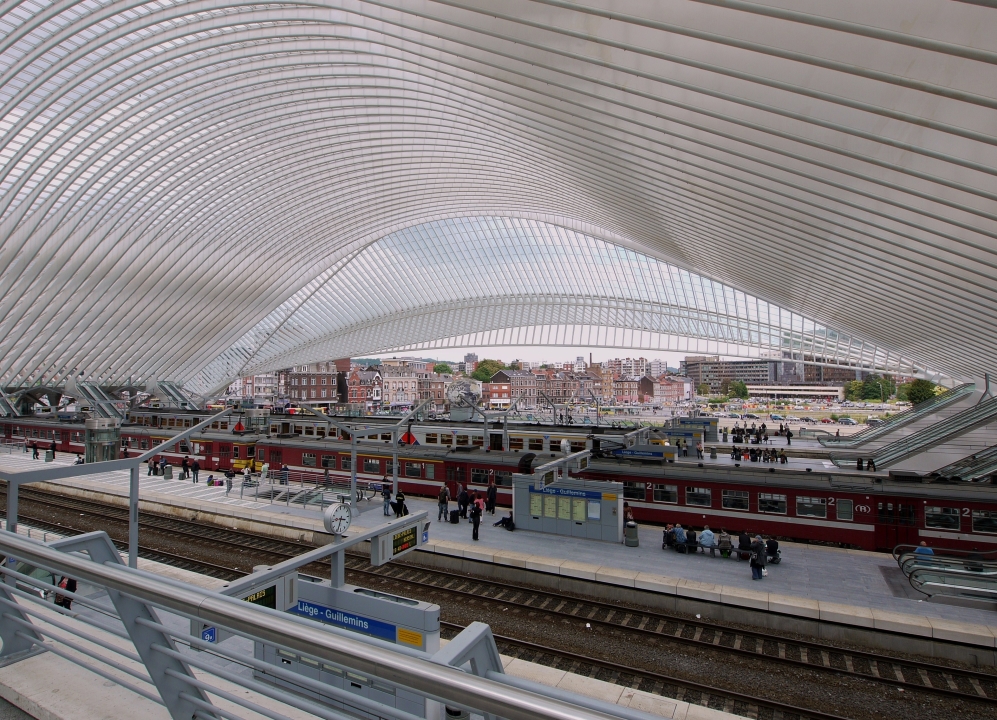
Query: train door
x=276 y=459
x=896 y=523
x=495 y=441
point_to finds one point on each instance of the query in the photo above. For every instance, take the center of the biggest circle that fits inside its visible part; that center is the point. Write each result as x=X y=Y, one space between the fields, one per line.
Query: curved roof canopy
x=197 y=190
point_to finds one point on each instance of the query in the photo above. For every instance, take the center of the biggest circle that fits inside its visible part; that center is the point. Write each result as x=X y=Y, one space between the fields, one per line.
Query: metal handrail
x=445 y=683
x=900 y=419
x=976 y=465
x=962 y=583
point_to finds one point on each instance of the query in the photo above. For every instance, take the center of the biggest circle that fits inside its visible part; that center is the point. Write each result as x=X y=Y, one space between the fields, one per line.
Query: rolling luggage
x=454 y=517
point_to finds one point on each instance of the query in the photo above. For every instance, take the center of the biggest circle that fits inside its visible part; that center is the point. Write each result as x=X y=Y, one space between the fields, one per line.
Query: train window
x=385 y=436
x=984 y=521
x=479 y=476
x=143 y=444
x=536 y=444
x=214 y=425
x=772 y=503
x=845 y=510
x=666 y=493
x=308 y=459
x=430 y=470
x=634 y=490
x=310 y=430
x=515 y=443
x=371 y=465
x=260 y=452
x=577 y=445
x=463 y=440
x=735 y=499
x=432 y=438
x=413 y=469
x=328 y=461
x=702 y=497
x=478 y=440
x=503 y=478
x=345 y=462
x=274 y=429
x=389 y=467
x=811 y=507
x=946 y=518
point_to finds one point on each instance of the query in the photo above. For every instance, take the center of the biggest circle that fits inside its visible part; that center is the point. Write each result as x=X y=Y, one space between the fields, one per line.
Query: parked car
x=873 y=422
x=846 y=421
x=826 y=420
x=807 y=419
x=751 y=416
x=733 y=415
x=775 y=416
x=792 y=418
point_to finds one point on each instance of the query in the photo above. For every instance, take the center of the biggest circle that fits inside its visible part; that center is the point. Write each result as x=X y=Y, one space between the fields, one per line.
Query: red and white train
x=840 y=507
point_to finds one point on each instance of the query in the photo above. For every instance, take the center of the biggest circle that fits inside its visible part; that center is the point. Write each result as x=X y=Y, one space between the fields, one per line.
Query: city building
x=260 y=389
x=714 y=372
x=673 y=389
x=320 y=383
x=496 y=395
x=364 y=389
x=626 y=390
x=815 y=392
x=523 y=383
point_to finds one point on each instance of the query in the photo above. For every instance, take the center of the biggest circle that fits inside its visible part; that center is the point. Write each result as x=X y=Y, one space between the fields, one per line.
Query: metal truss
x=177 y=179
x=512 y=281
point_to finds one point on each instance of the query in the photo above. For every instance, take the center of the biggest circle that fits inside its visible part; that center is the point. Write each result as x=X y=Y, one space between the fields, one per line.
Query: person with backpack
x=69 y=585
x=475 y=519
x=463 y=499
x=443 y=499
x=757 y=558
x=399 y=505
x=386 y=495
x=491 y=495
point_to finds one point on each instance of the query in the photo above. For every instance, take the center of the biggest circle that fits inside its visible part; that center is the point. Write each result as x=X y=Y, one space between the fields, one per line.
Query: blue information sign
x=346 y=620
x=567 y=492
x=209 y=634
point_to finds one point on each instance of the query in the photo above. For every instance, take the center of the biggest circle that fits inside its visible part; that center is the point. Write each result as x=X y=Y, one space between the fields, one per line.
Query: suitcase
x=455 y=517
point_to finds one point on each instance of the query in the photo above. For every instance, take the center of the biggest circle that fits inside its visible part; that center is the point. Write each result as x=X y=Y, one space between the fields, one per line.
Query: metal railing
x=951 y=427
x=900 y=419
x=12 y=446
x=968 y=584
x=976 y=465
x=120 y=636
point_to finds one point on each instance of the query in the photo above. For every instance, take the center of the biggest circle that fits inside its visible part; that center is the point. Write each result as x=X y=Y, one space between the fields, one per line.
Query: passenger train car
x=834 y=506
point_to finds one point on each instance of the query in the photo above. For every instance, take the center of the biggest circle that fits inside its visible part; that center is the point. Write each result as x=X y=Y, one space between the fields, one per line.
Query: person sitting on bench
x=707 y=541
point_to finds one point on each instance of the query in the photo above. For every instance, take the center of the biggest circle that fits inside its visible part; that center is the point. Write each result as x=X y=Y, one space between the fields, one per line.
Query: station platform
x=50 y=687
x=816 y=589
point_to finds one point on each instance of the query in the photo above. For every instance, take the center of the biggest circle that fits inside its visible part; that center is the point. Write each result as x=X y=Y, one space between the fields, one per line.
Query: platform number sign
x=209 y=634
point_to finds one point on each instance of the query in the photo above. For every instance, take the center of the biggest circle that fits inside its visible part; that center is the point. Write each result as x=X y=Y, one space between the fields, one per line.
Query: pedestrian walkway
x=147 y=483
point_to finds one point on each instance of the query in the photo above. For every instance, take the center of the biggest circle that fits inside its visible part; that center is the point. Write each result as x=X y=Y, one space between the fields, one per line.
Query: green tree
x=487 y=368
x=703 y=389
x=739 y=390
x=854 y=390
x=442 y=369
x=919 y=390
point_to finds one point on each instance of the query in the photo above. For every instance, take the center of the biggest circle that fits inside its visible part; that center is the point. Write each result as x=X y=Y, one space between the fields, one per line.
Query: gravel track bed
x=848 y=697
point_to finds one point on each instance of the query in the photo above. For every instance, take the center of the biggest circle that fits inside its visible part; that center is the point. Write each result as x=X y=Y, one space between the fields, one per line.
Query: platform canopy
x=199 y=190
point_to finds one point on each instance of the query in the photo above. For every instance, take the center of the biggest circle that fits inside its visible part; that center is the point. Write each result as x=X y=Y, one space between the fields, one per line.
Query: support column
x=337 y=569
x=394 y=462
x=12 y=488
x=133 y=518
x=353 y=469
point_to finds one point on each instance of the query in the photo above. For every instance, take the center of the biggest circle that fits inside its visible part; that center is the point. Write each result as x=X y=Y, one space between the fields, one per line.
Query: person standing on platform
x=491 y=495
x=195 y=468
x=228 y=484
x=52 y=448
x=757 y=558
x=185 y=468
x=699 y=449
x=443 y=500
x=69 y=585
x=462 y=501
x=386 y=495
x=475 y=519
x=789 y=436
x=34 y=450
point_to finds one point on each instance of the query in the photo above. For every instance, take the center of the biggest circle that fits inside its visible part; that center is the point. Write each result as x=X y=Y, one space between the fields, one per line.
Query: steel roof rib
x=197 y=190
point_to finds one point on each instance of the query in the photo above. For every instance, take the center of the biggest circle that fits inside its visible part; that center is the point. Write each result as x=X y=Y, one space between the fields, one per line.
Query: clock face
x=337 y=518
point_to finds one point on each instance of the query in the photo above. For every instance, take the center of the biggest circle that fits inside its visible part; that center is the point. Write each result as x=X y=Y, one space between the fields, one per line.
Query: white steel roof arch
x=272 y=141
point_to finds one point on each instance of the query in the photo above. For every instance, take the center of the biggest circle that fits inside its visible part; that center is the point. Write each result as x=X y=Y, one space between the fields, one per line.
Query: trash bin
x=168 y=472
x=713 y=453
x=49 y=456
x=630 y=534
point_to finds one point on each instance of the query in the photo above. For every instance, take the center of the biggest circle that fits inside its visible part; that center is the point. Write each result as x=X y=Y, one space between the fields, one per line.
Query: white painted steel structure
x=197 y=190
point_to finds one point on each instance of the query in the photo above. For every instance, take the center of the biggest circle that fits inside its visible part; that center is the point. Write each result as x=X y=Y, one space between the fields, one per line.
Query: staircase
x=983 y=413
x=901 y=419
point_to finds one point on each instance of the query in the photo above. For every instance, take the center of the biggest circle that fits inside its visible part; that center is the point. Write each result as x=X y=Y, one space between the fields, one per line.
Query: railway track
x=902 y=673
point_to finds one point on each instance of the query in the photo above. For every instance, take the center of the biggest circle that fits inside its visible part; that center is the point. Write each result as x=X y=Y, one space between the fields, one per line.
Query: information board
x=563 y=508
x=578 y=510
x=265 y=597
x=550 y=506
x=404 y=540
x=398 y=541
x=536 y=504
